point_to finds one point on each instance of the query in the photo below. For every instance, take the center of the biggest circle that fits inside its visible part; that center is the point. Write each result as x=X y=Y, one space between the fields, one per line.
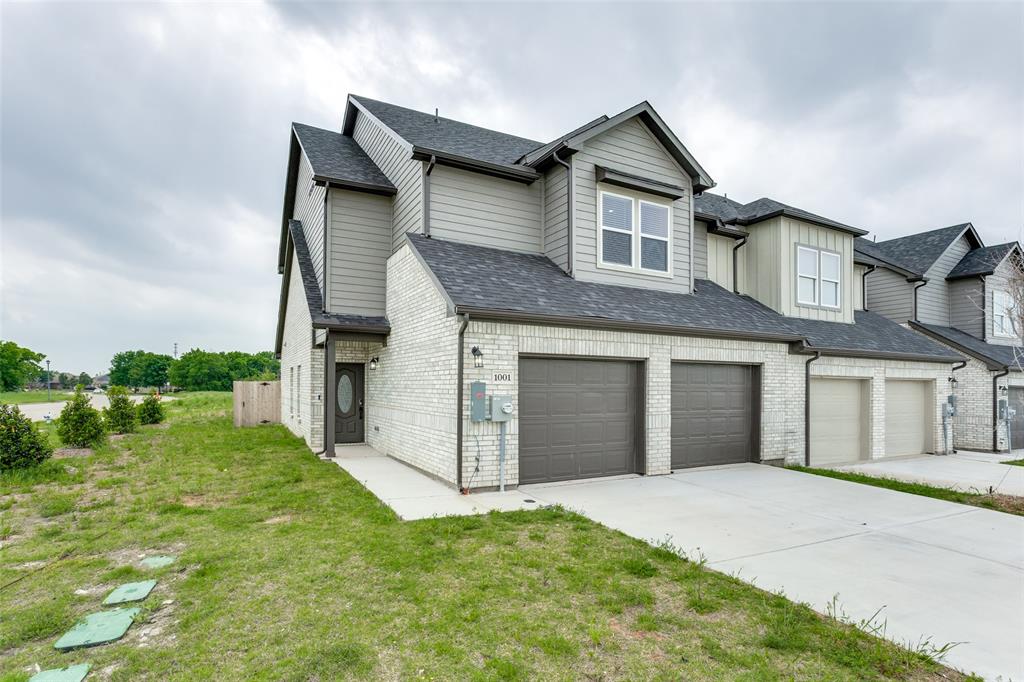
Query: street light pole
x=47 y=381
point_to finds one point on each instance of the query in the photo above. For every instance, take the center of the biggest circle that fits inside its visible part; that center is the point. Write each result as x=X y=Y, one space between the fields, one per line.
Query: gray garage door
x=712 y=414
x=577 y=418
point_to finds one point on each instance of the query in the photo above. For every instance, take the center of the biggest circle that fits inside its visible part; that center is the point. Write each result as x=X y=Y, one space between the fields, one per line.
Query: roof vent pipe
x=436 y=120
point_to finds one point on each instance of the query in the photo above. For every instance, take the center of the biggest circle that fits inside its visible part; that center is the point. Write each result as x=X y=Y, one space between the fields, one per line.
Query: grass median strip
x=1004 y=503
x=288 y=569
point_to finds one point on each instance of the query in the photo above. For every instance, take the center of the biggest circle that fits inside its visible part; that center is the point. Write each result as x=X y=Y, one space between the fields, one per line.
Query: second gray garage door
x=713 y=414
x=577 y=418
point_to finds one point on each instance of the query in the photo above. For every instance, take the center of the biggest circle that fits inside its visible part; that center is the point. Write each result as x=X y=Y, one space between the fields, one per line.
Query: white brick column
x=658 y=435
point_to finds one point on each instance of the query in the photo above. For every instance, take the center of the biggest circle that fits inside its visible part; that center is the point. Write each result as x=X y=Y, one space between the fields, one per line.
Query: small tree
x=80 y=424
x=120 y=417
x=150 y=409
x=21 y=443
x=84 y=379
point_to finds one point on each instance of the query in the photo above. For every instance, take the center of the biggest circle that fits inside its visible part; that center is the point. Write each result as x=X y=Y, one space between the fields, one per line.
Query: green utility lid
x=158 y=561
x=72 y=673
x=97 y=628
x=130 y=592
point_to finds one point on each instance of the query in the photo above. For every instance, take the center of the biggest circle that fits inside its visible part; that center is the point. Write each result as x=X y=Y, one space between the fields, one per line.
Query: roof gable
x=918 y=252
x=714 y=207
x=983 y=261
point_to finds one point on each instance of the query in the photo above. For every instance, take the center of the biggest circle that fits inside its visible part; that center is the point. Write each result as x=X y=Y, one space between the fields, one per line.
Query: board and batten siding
x=309 y=209
x=480 y=209
x=933 y=298
x=556 y=216
x=890 y=295
x=720 y=260
x=394 y=158
x=359 y=232
x=630 y=148
x=998 y=281
x=967 y=306
x=858 y=286
x=700 y=249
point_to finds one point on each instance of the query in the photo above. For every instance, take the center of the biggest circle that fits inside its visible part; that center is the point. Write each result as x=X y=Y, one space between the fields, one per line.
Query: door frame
x=358 y=394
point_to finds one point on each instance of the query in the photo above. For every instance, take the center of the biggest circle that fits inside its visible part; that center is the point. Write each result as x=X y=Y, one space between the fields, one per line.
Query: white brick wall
x=296 y=362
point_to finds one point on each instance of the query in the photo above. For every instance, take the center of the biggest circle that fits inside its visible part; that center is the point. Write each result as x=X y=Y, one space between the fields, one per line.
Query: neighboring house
x=635 y=322
x=948 y=285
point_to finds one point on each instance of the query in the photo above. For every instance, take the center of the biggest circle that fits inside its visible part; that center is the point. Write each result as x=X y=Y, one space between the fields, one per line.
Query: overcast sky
x=144 y=145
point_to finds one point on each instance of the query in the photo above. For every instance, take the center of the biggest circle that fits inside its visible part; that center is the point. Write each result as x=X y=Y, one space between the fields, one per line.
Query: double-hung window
x=636 y=234
x=817 y=277
x=1002 y=314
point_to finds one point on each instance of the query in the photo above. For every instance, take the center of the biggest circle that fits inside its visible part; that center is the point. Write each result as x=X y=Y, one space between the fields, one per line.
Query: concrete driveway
x=939 y=571
x=967 y=471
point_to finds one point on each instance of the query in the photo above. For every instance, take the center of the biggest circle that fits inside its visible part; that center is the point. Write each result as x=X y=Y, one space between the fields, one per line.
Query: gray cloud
x=144 y=146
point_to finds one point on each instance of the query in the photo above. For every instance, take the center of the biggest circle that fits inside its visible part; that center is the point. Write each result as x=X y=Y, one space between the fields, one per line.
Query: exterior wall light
x=478 y=357
x=373 y=363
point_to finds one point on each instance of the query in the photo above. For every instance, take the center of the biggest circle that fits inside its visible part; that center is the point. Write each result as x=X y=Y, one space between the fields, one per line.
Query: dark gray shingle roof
x=994 y=355
x=337 y=157
x=314 y=297
x=733 y=212
x=918 y=252
x=445 y=135
x=480 y=279
x=981 y=261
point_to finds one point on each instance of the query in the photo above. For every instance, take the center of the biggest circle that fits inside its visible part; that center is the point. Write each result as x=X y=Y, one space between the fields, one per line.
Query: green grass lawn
x=290 y=570
x=1003 y=503
x=1015 y=462
x=34 y=396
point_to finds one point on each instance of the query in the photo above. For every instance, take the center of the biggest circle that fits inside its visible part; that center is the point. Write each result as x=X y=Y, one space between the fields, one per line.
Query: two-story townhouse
x=632 y=321
x=947 y=284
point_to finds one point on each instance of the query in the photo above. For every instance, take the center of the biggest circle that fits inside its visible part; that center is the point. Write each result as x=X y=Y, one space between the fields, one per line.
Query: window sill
x=628 y=269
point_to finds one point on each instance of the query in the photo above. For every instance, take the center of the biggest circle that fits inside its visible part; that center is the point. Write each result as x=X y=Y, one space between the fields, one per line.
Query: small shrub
x=120 y=417
x=80 y=424
x=151 y=411
x=21 y=443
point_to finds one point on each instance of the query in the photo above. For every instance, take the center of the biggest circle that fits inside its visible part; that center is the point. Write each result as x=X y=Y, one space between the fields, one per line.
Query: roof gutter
x=735 y=264
x=807 y=407
x=518 y=173
x=995 y=408
x=570 y=200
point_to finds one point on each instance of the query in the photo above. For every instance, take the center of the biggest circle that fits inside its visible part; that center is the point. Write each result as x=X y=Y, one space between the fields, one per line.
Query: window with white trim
x=636 y=234
x=1002 y=314
x=818 y=277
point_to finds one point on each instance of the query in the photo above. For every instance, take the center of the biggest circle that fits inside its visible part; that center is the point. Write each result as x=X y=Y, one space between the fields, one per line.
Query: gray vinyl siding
x=720 y=260
x=479 y=209
x=309 y=208
x=998 y=281
x=394 y=157
x=933 y=298
x=360 y=244
x=630 y=148
x=700 y=249
x=858 y=286
x=890 y=295
x=556 y=216
x=967 y=307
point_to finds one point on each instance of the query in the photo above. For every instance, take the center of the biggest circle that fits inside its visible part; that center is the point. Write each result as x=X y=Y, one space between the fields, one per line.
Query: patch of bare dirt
x=114 y=437
x=61 y=453
x=1012 y=504
x=283 y=518
x=156 y=630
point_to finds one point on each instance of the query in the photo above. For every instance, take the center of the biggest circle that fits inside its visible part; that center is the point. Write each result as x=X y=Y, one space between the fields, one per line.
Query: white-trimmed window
x=818 y=277
x=636 y=234
x=1002 y=314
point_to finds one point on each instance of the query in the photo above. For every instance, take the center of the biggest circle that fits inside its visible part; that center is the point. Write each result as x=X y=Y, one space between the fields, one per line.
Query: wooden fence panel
x=257 y=402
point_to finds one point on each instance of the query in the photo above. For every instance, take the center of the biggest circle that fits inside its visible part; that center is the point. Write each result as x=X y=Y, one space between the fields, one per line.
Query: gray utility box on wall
x=478 y=402
x=501 y=408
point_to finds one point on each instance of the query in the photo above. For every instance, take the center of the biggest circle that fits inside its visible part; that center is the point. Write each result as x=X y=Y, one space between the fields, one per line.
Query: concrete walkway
x=968 y=471
x=939 y=571
x=414 y=495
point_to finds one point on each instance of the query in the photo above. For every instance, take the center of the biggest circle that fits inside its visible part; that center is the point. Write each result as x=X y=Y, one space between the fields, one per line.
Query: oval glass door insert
x=345 y=394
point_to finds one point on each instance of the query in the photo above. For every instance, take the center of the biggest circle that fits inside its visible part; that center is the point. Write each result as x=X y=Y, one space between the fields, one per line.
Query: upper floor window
x=818 y=277
x=635 y=235
x=1002 y=314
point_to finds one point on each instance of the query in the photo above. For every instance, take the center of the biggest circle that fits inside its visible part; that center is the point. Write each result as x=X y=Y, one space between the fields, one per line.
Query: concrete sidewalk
x=414 y=495
x=979 y=472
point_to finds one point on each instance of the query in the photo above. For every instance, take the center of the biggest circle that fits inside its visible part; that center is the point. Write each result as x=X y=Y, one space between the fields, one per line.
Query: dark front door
x=578 y=418
x=1016 y=400
x=712 y=414
x=348 y=404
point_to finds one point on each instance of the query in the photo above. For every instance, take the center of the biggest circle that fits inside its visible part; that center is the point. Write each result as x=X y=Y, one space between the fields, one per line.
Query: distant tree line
x=18 y=365
x=196 y=370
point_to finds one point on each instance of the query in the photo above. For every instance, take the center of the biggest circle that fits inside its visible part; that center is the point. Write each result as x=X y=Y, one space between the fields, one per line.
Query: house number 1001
x=502 y=376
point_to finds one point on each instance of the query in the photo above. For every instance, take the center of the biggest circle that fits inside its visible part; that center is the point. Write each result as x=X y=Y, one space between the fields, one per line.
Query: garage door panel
x=907 y=417
x=838 y=421
x=588 y=411
x=712 y=414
